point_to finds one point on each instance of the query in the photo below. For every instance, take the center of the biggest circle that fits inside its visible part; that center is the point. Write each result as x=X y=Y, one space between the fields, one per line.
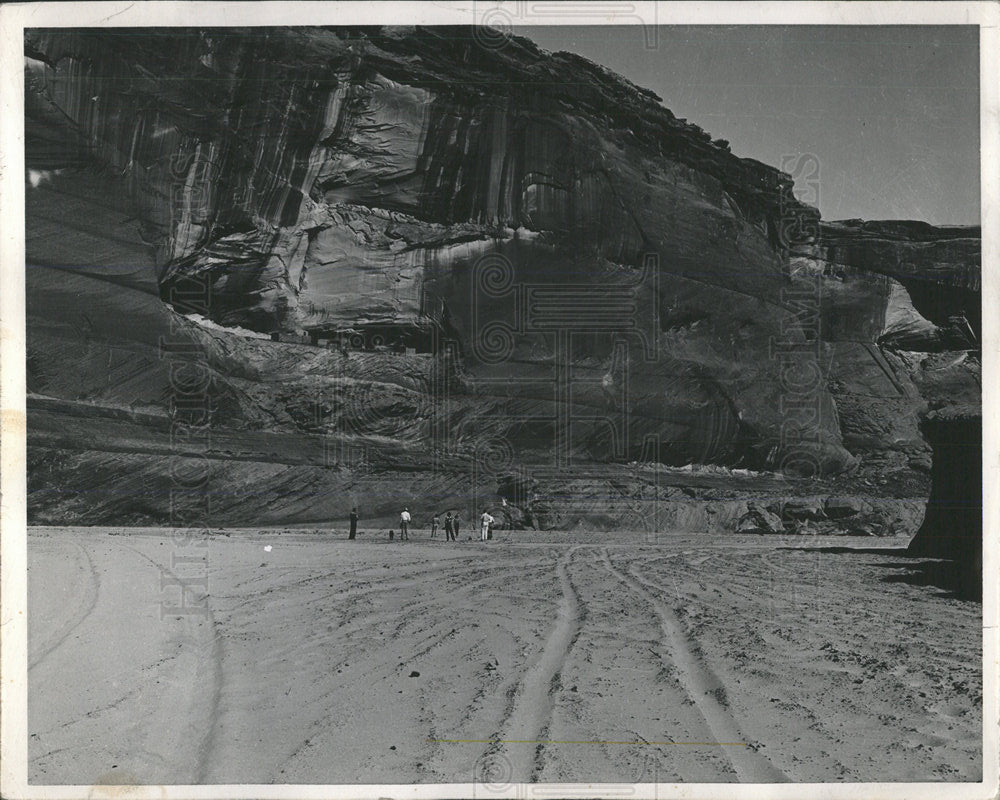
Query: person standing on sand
x=486 y=520
x=434 y=526
x=354 y=523
x=449 y=528
x=457 y=523
x=404 y=525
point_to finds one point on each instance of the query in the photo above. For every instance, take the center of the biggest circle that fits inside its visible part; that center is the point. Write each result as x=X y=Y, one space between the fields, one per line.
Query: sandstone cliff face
x=598 y=280
x=902 y=319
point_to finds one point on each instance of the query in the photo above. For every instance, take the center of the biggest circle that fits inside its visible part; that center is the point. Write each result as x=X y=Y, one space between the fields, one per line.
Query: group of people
x=452 y=525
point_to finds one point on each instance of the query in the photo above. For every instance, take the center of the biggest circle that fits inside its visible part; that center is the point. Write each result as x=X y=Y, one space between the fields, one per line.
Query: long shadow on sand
x=948 y=576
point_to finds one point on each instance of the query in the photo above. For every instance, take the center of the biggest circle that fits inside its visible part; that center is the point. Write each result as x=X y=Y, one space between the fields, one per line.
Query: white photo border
x=15 y=18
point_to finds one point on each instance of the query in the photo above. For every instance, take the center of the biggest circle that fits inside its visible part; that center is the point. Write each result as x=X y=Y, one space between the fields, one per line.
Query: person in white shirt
x=404 y=525
x=487 y=520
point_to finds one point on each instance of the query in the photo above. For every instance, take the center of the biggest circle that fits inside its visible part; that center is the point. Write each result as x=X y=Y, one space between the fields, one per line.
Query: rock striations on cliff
x=570 y=274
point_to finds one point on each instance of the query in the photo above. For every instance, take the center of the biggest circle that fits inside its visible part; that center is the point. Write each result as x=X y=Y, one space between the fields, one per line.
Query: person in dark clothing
x=449 y=528
x=354 y=523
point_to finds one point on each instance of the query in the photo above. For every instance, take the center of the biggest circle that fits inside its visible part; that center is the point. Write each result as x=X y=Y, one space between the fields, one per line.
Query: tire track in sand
x=533 y=703
x=82 y=607
x=701 y=684
x=196 y=686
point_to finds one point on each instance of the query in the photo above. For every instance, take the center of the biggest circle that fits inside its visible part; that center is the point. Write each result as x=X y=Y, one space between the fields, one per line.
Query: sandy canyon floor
x=297 y=656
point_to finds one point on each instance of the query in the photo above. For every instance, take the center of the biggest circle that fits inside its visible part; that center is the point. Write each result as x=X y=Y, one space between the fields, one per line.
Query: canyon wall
x=594 y=280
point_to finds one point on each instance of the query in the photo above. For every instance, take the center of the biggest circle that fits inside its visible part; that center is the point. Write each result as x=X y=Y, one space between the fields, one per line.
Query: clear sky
x=892 y=113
